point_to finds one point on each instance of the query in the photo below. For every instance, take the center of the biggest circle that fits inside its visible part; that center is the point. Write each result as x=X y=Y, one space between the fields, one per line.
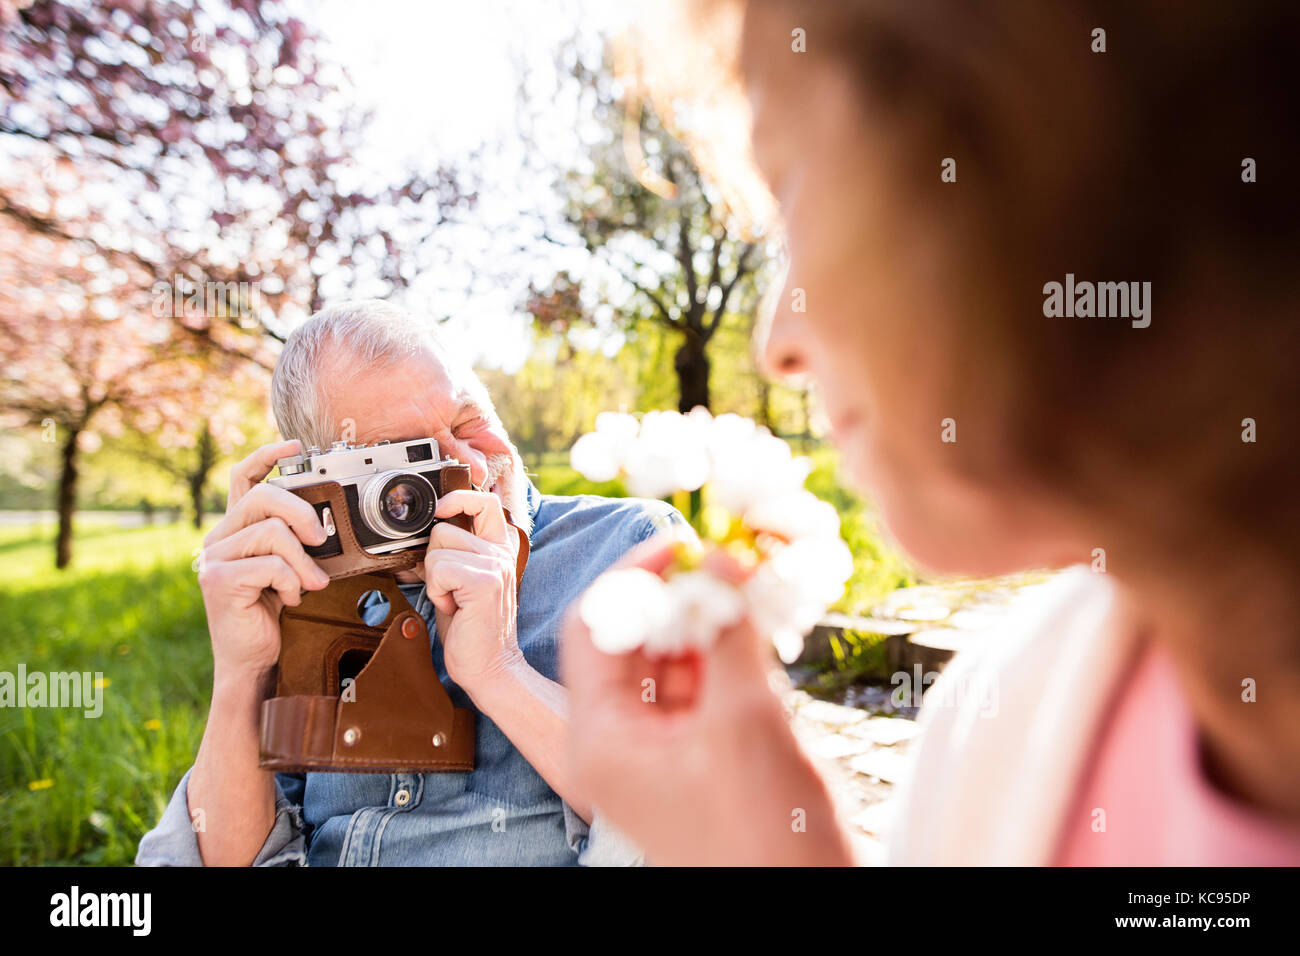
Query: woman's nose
x=782 y=345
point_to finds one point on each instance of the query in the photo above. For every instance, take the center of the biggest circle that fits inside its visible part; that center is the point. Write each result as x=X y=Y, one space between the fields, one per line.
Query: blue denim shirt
x=500 y=814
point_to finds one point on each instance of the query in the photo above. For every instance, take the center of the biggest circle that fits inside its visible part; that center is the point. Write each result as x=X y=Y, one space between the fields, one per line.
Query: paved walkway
x=860 y=745
x=860 y=757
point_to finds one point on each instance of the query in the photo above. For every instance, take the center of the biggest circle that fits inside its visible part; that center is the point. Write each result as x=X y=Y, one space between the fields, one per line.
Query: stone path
x=860 y=755
x=860 y=745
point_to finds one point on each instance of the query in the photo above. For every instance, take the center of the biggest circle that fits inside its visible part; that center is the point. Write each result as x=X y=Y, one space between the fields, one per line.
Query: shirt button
x=403 y=797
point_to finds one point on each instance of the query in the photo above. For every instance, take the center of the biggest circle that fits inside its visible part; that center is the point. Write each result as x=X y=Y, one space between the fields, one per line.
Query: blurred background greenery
x=155 y=153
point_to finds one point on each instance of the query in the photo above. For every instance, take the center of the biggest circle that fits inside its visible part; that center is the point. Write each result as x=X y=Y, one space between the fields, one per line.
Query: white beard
x=507 y=472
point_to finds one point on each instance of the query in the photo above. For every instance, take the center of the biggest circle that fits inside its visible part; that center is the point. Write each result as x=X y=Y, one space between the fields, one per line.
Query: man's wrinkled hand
x=253 y=563
x=470 y=579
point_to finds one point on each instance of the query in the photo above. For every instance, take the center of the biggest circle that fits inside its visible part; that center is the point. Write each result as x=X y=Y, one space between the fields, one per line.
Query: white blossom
x=601 y=455
x=751 y=466
x=702 y=606
x=594 y=458
x=795 y=515
x=788 y=644
x=749 y=473
x=669 y=454
x=624 y=609
x=619 y=427
x=790 y=591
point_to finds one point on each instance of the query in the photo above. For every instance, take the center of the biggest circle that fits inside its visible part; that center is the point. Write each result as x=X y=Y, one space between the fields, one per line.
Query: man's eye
x=468 y=428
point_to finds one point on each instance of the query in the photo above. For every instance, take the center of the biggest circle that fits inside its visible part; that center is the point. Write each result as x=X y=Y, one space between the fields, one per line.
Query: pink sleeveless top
x=1145 y=799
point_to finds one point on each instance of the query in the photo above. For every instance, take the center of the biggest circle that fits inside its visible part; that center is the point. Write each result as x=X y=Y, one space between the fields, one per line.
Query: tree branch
x=666 y=316
x=686 y=256
x=742 y=269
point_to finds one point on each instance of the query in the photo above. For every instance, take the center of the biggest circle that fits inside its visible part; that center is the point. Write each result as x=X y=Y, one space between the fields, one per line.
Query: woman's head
x=993 y=435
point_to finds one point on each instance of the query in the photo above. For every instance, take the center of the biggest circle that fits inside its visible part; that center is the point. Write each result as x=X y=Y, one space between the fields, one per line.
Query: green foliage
x=878 y=568
x=130 y=609
x=554 y=477
x=116 y=475
x=558 y=392
x=857 y=655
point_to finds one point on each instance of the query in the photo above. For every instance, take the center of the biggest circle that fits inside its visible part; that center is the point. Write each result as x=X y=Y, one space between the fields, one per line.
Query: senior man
x=370 y=372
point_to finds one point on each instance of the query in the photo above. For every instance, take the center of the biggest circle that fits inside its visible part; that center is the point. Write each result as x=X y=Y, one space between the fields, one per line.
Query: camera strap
x=394 y=715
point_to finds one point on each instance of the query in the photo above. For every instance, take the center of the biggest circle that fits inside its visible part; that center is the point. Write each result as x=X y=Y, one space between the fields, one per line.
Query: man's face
x=420 y=397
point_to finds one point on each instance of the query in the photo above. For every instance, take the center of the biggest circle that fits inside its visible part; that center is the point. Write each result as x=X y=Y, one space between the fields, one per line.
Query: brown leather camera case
x=395 y=717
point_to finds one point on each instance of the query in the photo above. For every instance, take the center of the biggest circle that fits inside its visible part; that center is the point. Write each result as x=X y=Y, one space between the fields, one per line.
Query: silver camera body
x=391 y=489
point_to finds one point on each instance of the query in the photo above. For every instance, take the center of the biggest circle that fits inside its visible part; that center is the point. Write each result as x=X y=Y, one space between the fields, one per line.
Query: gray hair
x=371 y=333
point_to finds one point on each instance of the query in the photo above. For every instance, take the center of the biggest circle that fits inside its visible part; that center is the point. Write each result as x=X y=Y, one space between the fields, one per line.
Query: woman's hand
x=692 y=756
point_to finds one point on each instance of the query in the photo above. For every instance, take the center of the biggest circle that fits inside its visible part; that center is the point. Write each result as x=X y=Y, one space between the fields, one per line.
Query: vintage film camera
x=390 y=490
x=354 y=693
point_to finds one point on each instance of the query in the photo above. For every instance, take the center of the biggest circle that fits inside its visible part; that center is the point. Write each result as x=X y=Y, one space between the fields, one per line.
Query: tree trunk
x=765 y=403
x=805 y=402
x=204 y=460
x=67 y=499
x=196 y=499
x=692 y=366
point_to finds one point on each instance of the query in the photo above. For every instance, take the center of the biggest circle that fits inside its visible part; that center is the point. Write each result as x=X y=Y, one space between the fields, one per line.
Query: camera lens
x=400 y=501
x=398 y=504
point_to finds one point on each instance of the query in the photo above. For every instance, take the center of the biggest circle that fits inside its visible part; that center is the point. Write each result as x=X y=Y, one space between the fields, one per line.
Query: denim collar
x=534 y=500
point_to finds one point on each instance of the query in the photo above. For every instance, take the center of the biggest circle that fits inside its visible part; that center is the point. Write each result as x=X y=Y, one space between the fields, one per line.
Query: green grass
x=82 y=790
x=555 y=478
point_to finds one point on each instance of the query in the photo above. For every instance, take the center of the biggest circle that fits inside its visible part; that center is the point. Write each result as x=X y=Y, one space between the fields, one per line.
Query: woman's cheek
x=897 y=491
